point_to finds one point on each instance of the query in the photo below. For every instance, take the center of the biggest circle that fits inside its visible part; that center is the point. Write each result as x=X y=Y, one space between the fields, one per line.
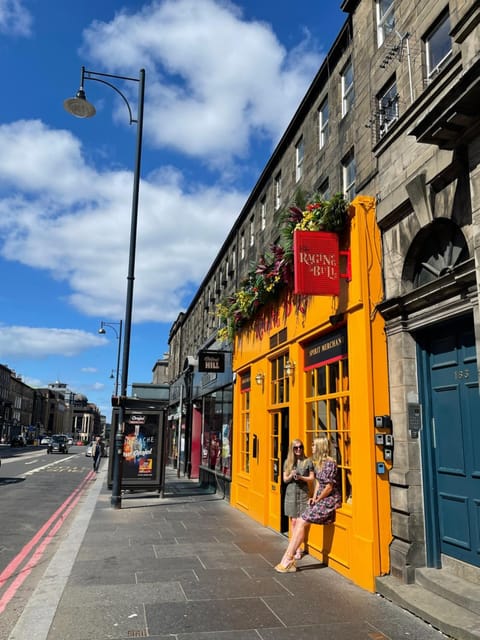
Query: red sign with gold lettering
x=316 y=263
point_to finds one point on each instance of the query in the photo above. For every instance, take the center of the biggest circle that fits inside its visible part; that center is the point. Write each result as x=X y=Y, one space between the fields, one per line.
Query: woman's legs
x=298 y=536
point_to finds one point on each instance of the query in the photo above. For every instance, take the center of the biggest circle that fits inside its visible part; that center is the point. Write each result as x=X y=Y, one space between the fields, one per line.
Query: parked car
x=18 y=441
x=70 y=440
x=58 y=444
x=88 y=450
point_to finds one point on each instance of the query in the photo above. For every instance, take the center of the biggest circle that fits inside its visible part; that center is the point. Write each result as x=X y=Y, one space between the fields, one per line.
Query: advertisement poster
x=140 y=447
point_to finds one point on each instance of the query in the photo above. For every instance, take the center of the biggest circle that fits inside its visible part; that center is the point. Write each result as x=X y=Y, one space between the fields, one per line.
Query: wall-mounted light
x=289 y=367
x=259 y=378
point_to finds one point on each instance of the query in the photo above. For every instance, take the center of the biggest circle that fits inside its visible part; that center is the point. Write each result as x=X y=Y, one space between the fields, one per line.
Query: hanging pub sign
x=211 y=362
x=316 y=263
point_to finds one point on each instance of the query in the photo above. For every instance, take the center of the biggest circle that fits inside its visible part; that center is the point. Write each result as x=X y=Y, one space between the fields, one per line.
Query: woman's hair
x=291 y=454
x=321 y=450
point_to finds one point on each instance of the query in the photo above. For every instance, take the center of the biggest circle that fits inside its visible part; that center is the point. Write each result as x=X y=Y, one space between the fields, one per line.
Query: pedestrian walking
x=96 y=453
x=327 y=498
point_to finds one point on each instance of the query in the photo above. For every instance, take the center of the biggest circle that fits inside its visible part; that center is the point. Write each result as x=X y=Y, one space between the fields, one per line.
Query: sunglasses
x=300 y=446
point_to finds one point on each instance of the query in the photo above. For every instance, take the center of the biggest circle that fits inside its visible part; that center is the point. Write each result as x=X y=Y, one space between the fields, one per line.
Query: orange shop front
x=321 y=369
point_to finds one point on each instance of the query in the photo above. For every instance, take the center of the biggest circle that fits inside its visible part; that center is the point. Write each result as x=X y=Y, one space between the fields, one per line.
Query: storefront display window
x=280 y=380
x=245 y=422
x=328 y=411
x=217 y=432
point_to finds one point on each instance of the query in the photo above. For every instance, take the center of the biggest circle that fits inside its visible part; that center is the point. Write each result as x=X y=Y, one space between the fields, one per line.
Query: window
x=328 y=413
x=324 y=190
x=385 y=20
x=252 y=231
x=387 y=108
x=347 y=89
x=438 y=46
x=217 y=431
x=280 y=380
x=299 y=156
x=232 y=261
x=245 y=422
x=348 y=170
x=242 y=245
x=263 y=213
x=225 y=273
x=323 y=124
x=278 y=190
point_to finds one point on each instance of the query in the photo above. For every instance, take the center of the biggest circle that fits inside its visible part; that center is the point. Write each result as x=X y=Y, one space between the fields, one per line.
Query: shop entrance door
x=279 y=430
x=452 y=441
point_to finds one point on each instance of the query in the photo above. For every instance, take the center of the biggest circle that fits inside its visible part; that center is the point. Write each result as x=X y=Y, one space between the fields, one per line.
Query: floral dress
x=323 y=512
x=298 y=491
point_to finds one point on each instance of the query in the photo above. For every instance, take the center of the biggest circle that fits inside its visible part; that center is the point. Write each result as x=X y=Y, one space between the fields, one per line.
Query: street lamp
x=80 y=107
x=118 y=333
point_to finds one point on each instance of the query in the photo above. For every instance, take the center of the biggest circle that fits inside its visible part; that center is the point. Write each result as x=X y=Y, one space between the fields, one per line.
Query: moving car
x=58 y=444
x=88 y=451
x=18 y=441
x=45 y=440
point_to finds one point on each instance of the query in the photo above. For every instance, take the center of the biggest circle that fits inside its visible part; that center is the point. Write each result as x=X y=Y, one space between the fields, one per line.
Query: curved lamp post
x=81 y=108
x=118 y=334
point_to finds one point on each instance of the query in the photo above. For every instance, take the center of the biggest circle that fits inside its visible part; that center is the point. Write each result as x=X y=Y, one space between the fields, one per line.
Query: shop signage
x=328 y=348
x=245 y=382
x=211 y=361
x=316 y=263
x=136 y=419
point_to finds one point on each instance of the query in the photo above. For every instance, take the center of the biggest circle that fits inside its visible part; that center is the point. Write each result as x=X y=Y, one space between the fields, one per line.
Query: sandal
x=299 y=554
x=290 y=568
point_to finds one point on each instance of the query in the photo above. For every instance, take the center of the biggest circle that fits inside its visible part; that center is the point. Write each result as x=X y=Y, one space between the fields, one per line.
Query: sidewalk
x=190 y=567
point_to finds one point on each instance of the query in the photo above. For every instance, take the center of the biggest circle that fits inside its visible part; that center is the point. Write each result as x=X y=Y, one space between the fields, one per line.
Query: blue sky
x=223 y=80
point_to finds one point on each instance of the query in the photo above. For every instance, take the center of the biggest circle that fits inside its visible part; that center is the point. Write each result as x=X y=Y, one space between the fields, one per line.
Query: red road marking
x=57 y=519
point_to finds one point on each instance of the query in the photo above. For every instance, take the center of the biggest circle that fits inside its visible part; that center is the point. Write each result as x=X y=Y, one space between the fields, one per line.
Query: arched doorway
x=449 y=396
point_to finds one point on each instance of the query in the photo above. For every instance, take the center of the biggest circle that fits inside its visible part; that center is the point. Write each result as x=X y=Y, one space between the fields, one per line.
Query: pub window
x=438 y=46
x=280 y=381
x=252 y=231
x=387 y=108
x=299 y=157
x=323 y=124
x=328 y=412
x=385 y=20
x=245 y=422
x=277 y=184
x=275 y=462
x=263 y=213
x=348 y=171
x=347 y=88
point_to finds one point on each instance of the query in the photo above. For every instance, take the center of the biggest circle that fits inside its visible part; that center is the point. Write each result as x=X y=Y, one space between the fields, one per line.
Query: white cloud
x=213 y=79
x=48 y=224
x=15 y=19
x=215 y=82
x=42 y=342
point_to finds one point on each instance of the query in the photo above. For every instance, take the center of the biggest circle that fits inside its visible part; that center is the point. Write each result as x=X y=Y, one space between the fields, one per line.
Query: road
x=38 y=493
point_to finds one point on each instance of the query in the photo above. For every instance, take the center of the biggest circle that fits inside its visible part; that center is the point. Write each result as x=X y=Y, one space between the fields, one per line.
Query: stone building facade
x=393 y=114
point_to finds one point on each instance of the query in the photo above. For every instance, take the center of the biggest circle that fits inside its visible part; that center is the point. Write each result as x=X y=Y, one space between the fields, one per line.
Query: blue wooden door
x=453 y=417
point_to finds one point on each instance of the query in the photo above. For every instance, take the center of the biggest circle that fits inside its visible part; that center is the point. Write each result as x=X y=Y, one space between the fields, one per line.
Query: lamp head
x=79 y=105
x=259 y=378
x=102 y=330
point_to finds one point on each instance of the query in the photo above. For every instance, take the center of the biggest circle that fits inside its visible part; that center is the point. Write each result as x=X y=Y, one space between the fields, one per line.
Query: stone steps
x=438 y=596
